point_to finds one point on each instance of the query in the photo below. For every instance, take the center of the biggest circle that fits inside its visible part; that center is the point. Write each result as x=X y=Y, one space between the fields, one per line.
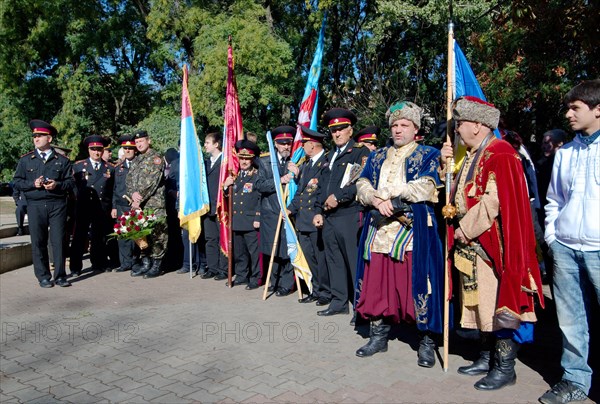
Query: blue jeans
x=576 y=278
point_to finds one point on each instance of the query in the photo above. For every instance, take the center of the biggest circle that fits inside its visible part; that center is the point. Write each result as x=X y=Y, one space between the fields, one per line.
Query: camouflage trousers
x=158 y=239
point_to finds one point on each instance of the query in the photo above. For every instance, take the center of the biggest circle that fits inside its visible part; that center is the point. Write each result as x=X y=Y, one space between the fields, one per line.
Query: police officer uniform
x=246 y=210
x=121 y=205
x=94 y=181
x=282 y=278
x=303 y=209
x=46 y=208
x=342 y=224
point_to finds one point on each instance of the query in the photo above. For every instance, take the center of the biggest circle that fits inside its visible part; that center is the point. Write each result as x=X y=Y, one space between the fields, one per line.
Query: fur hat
x=404 y=110
x=474 y=109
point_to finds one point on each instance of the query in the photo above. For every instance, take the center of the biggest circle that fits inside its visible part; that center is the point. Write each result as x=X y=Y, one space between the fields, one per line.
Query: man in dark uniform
x=308 y=177
x=367 y=137
x=282 y=279
x=146 y=187
x=120 y=204
x=216 y=261
x=21 y=210
x=339 y=212
x=45 y=177
x=246 y=216
x=94 y=180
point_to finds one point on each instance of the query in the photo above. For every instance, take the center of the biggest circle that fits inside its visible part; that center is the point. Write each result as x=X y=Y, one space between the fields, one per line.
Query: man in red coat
x=493 y=244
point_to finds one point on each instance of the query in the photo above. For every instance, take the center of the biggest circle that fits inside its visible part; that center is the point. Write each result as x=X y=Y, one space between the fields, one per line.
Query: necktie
x=126 y=163
x=337 y=152
x=283 y=161
x=96 y=166
x=43 y=156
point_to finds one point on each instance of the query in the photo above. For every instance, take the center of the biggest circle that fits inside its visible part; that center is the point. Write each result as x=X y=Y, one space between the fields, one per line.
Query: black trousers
x=282 y=274
x=20 y=212
x=126 y=247
x=314 y=252
x=216 y=261
x=198 y=259
x=246 y=256
x=47 y=220
x=92 y=221
x=341 y=233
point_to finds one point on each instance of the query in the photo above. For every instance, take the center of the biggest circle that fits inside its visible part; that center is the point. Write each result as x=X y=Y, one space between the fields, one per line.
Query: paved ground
x=114 y=338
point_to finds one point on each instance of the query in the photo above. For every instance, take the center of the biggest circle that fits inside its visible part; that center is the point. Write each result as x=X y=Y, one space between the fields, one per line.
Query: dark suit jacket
x=93 y=186
x=246 y=201
x=120 y=186
x=212 y=180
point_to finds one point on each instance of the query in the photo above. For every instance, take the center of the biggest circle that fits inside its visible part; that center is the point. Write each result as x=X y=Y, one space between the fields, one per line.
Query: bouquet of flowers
x=136 y=225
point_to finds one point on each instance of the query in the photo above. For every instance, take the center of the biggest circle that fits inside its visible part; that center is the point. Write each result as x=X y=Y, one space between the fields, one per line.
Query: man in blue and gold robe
x=401 y=252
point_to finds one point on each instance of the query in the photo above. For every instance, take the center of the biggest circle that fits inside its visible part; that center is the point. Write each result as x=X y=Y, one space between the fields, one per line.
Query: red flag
x=230 y=165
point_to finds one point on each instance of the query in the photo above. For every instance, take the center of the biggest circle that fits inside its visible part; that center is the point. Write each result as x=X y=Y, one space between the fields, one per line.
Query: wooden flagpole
x=448 y=210
x=230 y=238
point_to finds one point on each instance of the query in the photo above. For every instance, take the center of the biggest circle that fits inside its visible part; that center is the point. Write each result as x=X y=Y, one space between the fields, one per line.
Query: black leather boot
x=482 y=365
x=155 y=270
x=503 y=372
x=426 y=353
x=378 y=341
x=146 y=265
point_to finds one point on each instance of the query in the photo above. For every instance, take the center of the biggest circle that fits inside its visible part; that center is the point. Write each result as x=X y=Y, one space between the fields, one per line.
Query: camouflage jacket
x=146 y=176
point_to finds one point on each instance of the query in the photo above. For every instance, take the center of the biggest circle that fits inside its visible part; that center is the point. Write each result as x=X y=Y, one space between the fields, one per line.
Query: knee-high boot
x=503 y=371
x=426 y=353
x=482 y=365
x=378 y=341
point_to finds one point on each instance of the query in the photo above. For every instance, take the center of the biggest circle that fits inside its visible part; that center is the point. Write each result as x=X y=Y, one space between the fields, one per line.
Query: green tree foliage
x=110 y=66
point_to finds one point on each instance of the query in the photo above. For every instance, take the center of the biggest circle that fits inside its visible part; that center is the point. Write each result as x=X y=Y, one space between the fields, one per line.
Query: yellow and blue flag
x=193 y=189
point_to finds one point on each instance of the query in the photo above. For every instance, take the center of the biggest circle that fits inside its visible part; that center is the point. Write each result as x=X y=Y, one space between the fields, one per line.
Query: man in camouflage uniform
x=146 y=188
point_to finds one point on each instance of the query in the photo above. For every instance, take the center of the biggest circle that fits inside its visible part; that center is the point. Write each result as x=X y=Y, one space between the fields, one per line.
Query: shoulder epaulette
x=28 y=153
x=265 y=154
x=358 y=145
x=80 y=161
x=301 y=161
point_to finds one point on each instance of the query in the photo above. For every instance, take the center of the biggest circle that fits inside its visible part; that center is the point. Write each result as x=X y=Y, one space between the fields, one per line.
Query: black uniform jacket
x=93 y=186
x=120 y=186
x=57 y=167
x=310 y=180
x=246 y=201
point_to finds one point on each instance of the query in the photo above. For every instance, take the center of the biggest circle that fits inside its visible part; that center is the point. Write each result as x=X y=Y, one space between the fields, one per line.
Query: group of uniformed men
x=370 y=242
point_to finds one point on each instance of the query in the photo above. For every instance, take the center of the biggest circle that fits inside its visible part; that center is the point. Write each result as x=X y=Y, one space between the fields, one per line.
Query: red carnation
x=137 y=228
x=118 y=231
x=140 y=216
x=128 y=229
x=116 y=226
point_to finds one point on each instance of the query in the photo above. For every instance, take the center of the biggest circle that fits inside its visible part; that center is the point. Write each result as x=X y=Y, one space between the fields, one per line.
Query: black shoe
x=426 y=353
x=122 y=269
x=283 y=292
x=563 y=392
x=237 y=282
x=20 y=232
x=220 y=277
x=45 y=283
x=207 y=275
x=378 y=341
x=63 y=283
x=331 y=312
x=484 y=363
x=75 y=273
x=183 y=270
x=252 y=286
x=308 y=299
x=503 y=372
x=353 y=320
x=323 y=301
x=155 y=271
x=271 y=289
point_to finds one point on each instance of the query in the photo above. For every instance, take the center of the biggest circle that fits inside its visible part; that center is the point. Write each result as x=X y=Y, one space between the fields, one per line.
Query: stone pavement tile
x=126 y=384
x=43 y=400
x=211 y=386
x=204 y=396
x=297 y=377
x=289 y=397
x=216 y=375
x=82 y=398
x=269 y=380
x=236 y=394
x=180 y=389
x=58 y=372
x=10 y=366
x=145 y=364
x=272 y=370
x=87 y=369
x=158 y=381
x=240 y=382
x=94 y=387
x=137 y=373
x=320 y=396
x=318 y=383
x=26 y=375
x=60 y=391
x=107 y=376
x=186 y=377
x=117 y=366
x=166 y=371
x=170 y=399
x=118 y=396
x=148 y=392
x=355 y=394
x=266 y=390
x=295 y=387
x=173 y=361
x=258 y=399
x=77 y=379
x=28 y=394
x=10 y=384
x=246 y=373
